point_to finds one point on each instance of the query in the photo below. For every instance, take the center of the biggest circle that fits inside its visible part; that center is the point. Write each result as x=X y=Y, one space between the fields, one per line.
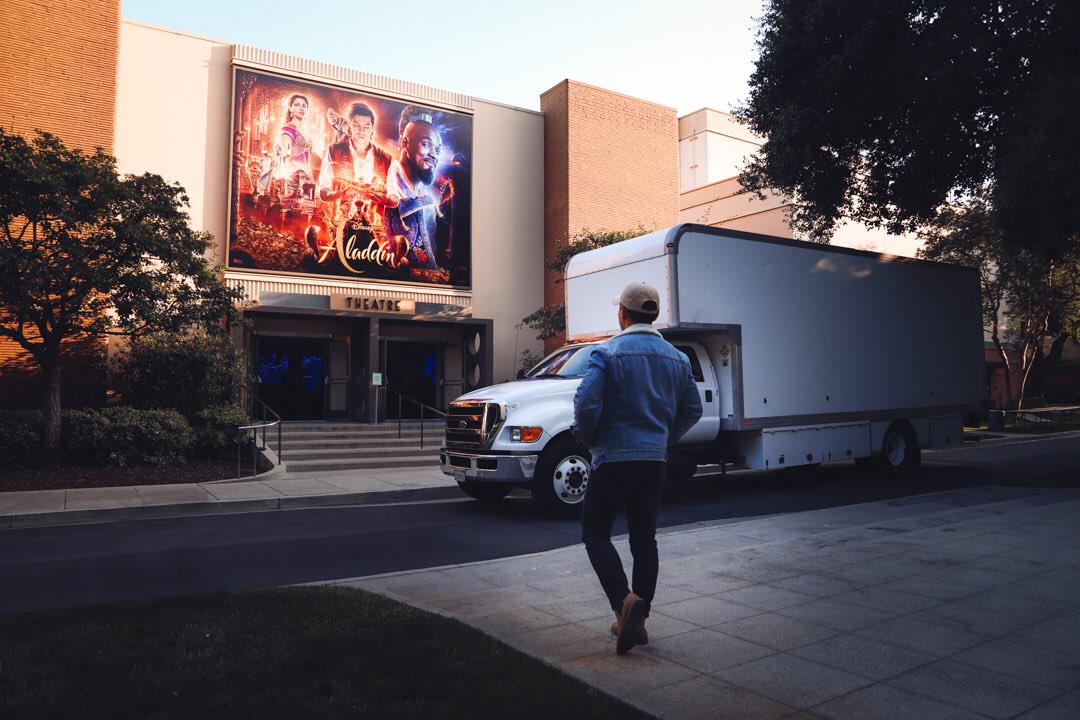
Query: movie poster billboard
x=333 y=182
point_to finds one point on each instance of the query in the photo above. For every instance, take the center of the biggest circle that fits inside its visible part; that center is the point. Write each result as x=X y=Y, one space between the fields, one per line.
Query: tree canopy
x=85 y=250
x=883 y=112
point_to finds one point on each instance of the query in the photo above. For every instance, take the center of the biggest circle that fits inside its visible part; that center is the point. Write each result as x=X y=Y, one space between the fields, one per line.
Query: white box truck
x=803 y=354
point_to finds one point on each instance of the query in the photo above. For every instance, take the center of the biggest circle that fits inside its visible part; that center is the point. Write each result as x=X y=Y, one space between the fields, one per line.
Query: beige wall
x=508 y=226
x=173 y=119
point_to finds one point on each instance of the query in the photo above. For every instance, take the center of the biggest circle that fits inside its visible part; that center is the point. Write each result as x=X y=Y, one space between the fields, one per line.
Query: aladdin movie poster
x=334 y=182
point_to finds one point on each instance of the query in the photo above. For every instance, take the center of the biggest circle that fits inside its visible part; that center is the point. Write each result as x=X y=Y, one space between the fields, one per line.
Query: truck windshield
x=570 y=362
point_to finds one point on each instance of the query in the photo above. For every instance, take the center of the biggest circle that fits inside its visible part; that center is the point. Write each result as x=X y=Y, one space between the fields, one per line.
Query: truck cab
x=518 y=434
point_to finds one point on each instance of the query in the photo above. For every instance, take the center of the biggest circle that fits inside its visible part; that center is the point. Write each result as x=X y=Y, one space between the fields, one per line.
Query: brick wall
x=611 y=162
x=58 y=70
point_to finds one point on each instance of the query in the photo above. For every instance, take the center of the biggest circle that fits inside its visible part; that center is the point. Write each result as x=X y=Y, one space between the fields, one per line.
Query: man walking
x=638 y=397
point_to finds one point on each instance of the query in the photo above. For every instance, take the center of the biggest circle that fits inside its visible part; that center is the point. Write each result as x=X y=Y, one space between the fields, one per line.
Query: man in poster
x=354 y=159
x=423 y=207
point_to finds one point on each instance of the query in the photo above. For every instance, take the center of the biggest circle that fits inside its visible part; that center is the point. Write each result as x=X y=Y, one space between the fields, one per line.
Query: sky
x=686 y=54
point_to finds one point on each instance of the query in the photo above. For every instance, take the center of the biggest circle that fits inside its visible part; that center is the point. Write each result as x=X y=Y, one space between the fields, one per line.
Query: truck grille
x=472 y=424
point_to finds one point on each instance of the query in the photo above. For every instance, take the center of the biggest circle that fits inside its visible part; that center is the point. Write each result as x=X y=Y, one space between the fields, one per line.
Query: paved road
x=87 y=564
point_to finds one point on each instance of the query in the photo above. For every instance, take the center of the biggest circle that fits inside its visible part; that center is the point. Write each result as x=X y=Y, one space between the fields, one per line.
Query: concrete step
x=389 y=428
x=326 y=465
x=359 y=446
x=360 y=443
x=365 y=454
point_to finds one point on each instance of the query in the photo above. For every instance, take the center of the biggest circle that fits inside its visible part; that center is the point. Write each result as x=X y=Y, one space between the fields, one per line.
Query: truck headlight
x=525 y=433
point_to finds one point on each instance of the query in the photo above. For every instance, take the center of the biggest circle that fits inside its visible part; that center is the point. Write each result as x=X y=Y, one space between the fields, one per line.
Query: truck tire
x=899 y=448
x=562 y=475
x=484 y=492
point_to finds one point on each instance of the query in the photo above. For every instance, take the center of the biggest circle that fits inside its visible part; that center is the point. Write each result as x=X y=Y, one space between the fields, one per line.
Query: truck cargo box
x=799 y=332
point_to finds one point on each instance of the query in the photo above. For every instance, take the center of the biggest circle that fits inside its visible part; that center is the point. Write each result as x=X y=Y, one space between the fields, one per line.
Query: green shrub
x=126 y=436
x=187 y=373
x=20 y=437
x=215 y=430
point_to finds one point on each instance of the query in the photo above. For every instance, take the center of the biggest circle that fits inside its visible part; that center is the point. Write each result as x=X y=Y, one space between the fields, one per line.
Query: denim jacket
x=637 y=397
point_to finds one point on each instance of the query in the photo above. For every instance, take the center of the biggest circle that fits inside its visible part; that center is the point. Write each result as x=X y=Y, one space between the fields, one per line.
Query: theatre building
x=389 y=236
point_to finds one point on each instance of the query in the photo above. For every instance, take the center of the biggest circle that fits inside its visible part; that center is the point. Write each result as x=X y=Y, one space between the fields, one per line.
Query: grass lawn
x=307 y=652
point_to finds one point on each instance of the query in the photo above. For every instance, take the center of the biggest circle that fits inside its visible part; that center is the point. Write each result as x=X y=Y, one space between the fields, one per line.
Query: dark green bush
x=126 y=436
x=187 y=373
x=215 y=430
x=20 y=437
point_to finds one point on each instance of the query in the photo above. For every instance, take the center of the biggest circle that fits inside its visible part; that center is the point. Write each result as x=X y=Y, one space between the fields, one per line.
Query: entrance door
x=291 y=374
x=412 y=369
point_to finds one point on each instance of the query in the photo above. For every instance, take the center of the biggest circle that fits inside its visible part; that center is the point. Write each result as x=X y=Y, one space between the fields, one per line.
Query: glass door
x=290 y=376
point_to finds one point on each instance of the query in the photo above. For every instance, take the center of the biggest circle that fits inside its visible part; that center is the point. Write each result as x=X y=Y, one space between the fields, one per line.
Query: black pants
x=635 y=487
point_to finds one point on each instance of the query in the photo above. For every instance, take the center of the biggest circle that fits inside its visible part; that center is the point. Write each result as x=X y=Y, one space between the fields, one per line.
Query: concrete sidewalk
x=962 y=604
x=286 y=491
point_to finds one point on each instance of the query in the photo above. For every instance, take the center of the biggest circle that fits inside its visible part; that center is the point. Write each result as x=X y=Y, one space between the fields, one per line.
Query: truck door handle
x=708 y=396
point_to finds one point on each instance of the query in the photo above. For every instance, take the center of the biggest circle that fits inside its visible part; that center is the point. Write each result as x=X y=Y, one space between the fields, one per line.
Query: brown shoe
x=643 y=634
x=631 y=625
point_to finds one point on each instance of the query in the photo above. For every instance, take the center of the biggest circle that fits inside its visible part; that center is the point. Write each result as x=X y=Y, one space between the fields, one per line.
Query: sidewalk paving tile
x=708 y=698
x=765 y=597
x=706 y=611
x=560 y=643
x=515 y=620
x=863 y=656
x=660 y=625
x=821 y=584
x=100 y=498
x=776 y=631
x=886 y=600
x=1006 y=657
x=706 y=651
x=835 y=615
x=32 y=501
x=974 y=689
x=1063 y=707
x=628 y=676
x=792 y=680
x=168 y=494
x=295 y=488
x=1058 y=635
x=882 y=702
x=242 y=491
x=921 y=635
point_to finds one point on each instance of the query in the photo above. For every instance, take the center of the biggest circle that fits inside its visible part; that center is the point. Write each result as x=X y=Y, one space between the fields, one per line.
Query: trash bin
x=996 y=421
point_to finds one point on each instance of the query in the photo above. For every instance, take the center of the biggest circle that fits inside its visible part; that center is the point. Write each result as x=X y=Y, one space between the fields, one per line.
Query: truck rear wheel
x=562 y=475
x=899 y=448
x=484 y=492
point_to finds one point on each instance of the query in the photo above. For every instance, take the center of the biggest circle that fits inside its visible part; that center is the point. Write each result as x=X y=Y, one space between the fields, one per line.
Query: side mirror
x=520 y=374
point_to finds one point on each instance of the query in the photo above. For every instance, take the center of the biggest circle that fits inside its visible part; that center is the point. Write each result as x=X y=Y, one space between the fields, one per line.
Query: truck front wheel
x=562 y=475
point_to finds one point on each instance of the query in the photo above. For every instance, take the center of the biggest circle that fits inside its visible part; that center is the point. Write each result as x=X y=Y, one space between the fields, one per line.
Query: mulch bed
x=66 y=477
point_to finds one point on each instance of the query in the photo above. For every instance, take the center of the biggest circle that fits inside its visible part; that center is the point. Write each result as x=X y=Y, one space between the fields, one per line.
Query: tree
x=86 y=251
x=550 y=320
x=1026 y=299
x=883 y=112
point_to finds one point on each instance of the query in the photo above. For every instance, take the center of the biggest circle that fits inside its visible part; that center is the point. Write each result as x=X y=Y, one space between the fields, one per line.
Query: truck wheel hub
x=571 y=477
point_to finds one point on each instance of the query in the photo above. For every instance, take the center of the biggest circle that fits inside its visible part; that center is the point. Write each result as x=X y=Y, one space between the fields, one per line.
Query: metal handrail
x=256 y=444
x=423 y=406
x=247 y=401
